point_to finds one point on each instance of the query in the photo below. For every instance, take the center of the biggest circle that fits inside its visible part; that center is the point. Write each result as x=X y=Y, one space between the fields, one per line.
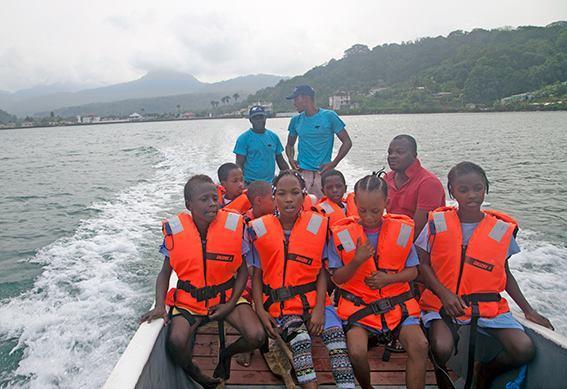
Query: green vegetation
x=6 y=118
x=462 y=71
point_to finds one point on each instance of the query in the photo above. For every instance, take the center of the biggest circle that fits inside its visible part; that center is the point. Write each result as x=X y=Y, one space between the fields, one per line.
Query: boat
x=145 y=363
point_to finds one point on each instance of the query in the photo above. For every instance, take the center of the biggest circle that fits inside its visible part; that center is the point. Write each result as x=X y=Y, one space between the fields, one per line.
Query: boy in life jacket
x=259 y=194
x=205 y=249
x=372 y=260
x=464 y=255
x=290 y=283
x=231 y=191
x=335 y=205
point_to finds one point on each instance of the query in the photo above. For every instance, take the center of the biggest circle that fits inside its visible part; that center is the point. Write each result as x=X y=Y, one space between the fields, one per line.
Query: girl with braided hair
x=372 y=260
x=290 y=283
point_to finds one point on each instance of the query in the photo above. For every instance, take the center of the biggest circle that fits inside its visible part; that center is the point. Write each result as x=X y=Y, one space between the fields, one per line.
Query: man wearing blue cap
x=258 y=149
x=316 y=129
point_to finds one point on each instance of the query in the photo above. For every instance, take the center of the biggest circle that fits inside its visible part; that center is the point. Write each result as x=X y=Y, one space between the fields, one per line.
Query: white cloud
x=107 y=41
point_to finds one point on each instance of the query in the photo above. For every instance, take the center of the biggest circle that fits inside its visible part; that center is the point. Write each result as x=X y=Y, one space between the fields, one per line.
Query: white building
x=339 y=100
x=133 y=117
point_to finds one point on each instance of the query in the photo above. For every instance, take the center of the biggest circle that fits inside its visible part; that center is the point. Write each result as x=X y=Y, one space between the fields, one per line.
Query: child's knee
x=442 y=348
x=358 y=355
x=522 y=350
x=176 y=342
x=418 y=347
x=256 y=337
x=301 y=341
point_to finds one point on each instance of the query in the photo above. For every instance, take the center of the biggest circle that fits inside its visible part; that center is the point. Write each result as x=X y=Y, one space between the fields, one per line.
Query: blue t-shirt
x=316 y=136
x=467 y=229
x=260 y=151
x=336 y=262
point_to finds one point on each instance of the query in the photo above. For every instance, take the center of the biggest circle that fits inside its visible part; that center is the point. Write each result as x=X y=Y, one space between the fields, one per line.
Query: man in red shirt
x=412 y=190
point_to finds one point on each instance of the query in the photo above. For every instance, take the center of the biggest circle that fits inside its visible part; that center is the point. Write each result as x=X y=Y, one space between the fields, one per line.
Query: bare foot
x=243 y=359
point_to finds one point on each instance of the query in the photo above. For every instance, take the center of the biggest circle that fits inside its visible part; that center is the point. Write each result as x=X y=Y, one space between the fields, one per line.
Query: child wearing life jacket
x=464 y=255
x=372 y=260
x=231 y=191
x=290 y=283
x=259 y=194
x=205 y=248
x=334 y=204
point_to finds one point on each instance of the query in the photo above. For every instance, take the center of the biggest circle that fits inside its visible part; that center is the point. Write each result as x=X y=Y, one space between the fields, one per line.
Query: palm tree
x=235 y=96
x=225 y=99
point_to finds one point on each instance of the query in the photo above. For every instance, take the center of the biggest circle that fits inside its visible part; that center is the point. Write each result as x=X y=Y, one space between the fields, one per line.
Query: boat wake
x=72 y=326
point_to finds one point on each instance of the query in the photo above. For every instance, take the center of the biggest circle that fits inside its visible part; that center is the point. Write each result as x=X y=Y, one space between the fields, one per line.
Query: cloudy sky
x=108 y=41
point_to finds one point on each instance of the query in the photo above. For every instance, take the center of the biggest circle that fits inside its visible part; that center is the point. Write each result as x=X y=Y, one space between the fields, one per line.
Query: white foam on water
x=541 y=270
x=77 y=319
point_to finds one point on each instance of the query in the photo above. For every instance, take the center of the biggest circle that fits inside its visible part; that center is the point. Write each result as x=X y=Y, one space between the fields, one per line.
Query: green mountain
x=6 y=118
x=437 y=74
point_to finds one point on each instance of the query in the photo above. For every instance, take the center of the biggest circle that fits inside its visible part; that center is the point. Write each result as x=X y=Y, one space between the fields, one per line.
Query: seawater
x=80 y=213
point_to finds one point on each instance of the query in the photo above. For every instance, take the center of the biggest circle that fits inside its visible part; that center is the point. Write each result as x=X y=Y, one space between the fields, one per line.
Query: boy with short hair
x=335 y=204
x=231 y=191
x=259 y=194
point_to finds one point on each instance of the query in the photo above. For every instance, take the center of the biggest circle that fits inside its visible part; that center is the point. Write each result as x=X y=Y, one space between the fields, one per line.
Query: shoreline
x=277 y=117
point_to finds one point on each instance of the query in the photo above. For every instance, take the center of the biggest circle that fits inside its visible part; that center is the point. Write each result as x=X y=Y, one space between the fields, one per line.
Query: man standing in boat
x=259 y=149
x=316 y=129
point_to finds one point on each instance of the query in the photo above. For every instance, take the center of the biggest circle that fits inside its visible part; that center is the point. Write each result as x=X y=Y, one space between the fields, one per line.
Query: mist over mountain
x=158 y=83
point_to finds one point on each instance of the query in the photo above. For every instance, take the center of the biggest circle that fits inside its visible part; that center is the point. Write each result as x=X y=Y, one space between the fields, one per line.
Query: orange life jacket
x=477 y=271
x=309 y=202
x=334 y=211
x=206 y=270
x=385 y=308
x=290 y=269
x=240 y=204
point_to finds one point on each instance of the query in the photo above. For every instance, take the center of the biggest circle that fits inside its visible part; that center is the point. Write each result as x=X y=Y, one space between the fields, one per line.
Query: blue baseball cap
x=257 y=110
x=302 y=90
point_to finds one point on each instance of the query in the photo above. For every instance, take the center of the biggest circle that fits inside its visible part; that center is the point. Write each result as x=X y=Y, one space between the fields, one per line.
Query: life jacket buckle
x=282 y=294
x=205 y=293
x=381 y=306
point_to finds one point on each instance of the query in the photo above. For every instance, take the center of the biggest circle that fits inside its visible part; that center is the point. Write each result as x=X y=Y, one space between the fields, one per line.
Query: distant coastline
x=277 y=116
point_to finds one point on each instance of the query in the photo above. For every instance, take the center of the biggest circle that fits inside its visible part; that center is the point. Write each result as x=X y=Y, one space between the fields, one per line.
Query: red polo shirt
x=423 y=190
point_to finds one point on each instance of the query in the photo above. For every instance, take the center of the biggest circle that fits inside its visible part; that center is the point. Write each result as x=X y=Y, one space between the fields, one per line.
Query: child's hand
x=377 y=280
x=535 y=317
x=363 y=251
x=268 y=322
x=317 y=320
x=453 y=304
x=218 y=312
x=156 y=313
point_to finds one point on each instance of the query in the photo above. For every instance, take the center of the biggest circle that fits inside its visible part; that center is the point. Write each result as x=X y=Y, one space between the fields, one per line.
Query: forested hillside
x=438 y=74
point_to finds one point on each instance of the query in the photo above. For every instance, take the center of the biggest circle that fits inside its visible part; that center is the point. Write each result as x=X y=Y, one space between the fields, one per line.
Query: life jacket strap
x=473 y=299
x=285 y=293
x=207 y=292
x=377 y=307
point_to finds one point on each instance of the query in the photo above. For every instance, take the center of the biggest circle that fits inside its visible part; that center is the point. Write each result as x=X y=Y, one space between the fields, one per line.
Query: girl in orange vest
x=334 y=204
x=231 y=191
x=372 y=259
x=464 y=255
x=205 y=249
x=290 y=282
